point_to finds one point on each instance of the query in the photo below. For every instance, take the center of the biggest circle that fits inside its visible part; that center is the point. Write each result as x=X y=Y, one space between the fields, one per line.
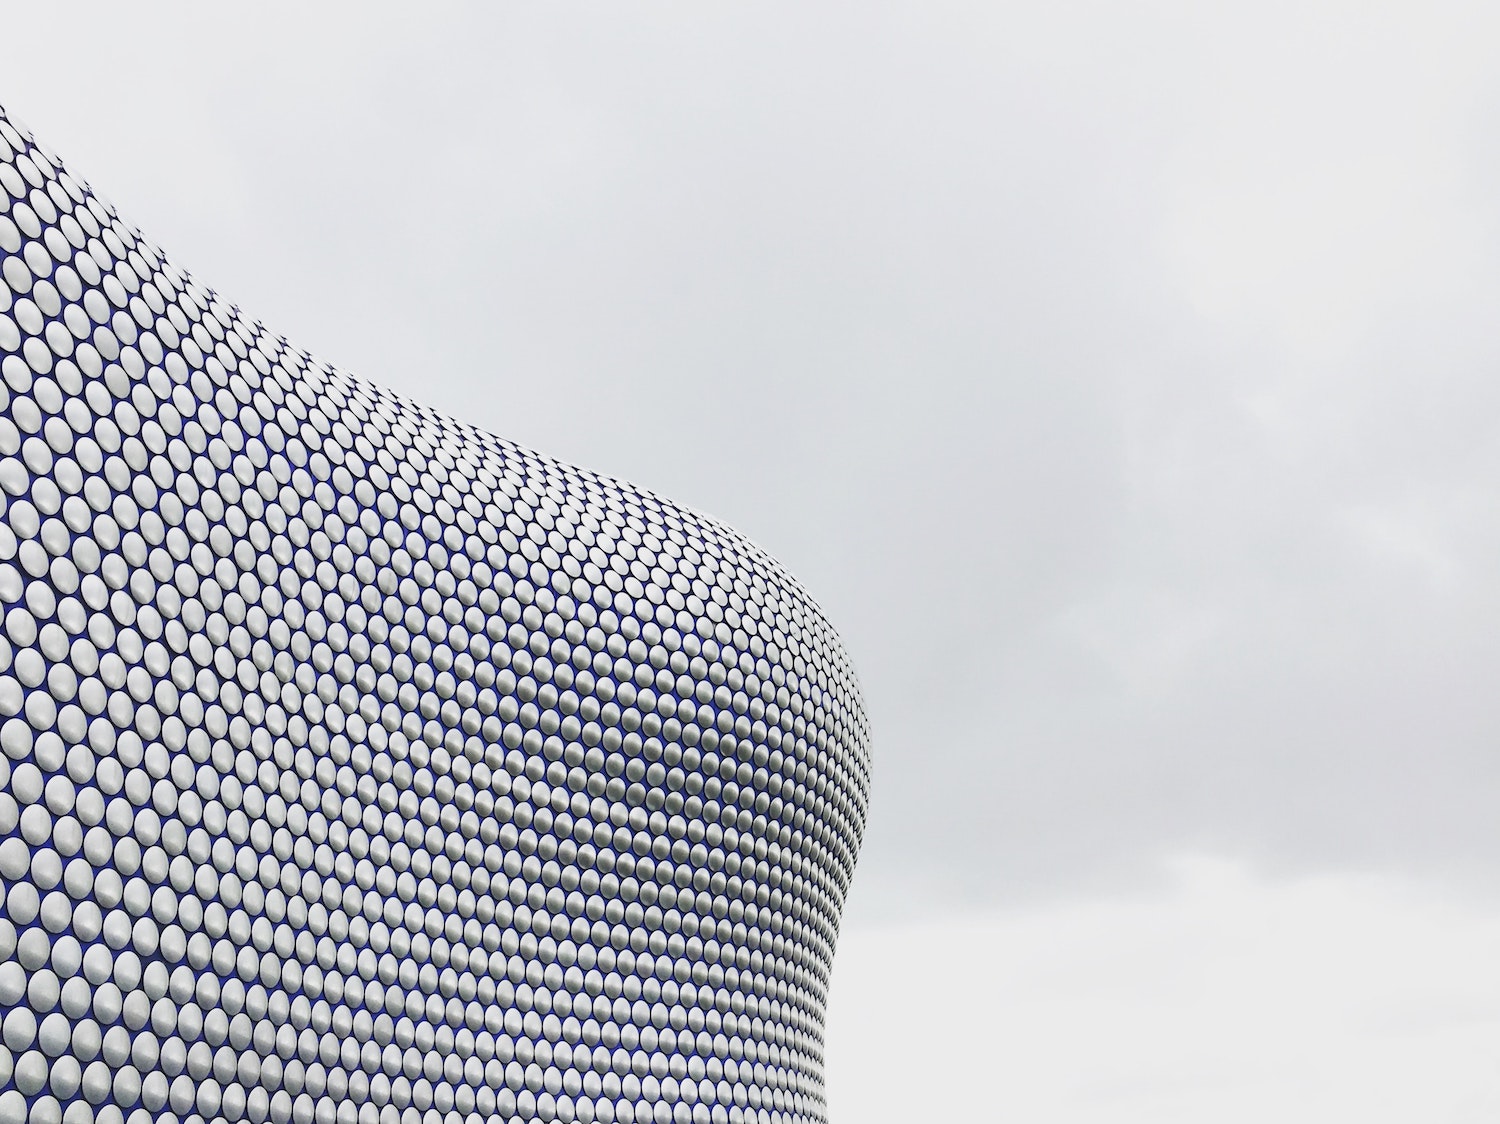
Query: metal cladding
x=361 y=767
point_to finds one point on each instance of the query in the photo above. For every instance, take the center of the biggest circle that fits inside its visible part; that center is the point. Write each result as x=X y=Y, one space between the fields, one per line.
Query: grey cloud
x=1121 y=380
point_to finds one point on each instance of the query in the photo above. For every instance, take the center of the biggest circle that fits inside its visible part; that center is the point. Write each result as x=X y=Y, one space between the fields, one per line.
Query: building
x=360 y=766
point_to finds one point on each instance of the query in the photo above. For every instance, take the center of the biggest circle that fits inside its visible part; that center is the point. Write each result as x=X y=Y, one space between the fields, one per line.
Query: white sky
x=1120 y=376
x=1222 y=997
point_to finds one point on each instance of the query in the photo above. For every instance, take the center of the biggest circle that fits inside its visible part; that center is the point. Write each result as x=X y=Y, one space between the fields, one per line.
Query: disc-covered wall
x=359 y=766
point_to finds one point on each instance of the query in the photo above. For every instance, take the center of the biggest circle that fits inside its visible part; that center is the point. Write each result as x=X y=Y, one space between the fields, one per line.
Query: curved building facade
x=361 y=767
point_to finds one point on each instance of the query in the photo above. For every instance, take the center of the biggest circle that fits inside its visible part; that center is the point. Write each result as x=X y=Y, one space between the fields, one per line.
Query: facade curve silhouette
x=362 y=768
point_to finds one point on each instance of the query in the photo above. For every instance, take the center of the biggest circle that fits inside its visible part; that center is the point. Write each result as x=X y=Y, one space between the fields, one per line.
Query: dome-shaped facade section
x=361 y=767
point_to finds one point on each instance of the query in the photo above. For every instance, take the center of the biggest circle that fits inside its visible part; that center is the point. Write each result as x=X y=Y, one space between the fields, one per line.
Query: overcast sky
x=1121 y=377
